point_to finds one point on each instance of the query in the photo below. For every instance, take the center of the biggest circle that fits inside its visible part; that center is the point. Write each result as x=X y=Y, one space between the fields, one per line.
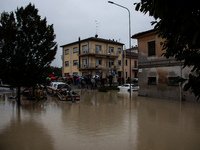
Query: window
x=126 y=74
x=135 y=64
x=75 y=73
x=119 y=62
x=98 y=62
x=111 y=50
x=135 y=74
x=97 y=48
x=84 y=49
x=66 y=63
x=84 y=73
x=119 y=50
x=173 y=81
x=111 y=63
x=75 y=50
x=75 y=63
x=84 y=63
x=126 y=62
x=151 y=48
x=152 y=80
x=66 y=51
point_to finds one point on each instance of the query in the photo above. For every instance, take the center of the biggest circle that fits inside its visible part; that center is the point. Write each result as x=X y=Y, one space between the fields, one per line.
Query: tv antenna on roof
x=97 y=27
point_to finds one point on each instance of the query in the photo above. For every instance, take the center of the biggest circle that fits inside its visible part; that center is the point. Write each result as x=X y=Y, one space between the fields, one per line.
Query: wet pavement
x=100 y=121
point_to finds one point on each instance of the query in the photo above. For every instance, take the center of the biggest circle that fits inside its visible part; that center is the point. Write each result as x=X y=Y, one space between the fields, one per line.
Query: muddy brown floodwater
x=100 y=121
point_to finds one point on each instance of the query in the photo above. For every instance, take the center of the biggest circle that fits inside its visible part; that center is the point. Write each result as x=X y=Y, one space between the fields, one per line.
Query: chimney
x=96 y=35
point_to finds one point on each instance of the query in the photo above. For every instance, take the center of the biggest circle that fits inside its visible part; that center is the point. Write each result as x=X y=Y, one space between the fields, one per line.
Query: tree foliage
x=56 y=70
x=27 y=46
x=178 y=22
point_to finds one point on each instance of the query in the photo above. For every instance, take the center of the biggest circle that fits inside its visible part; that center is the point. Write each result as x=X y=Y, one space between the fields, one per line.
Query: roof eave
x=137 y=35
x=94 y=39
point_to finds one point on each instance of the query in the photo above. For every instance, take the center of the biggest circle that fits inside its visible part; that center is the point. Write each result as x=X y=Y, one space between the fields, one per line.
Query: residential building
x=92 y=56
x=127 y=54
x=157 y=75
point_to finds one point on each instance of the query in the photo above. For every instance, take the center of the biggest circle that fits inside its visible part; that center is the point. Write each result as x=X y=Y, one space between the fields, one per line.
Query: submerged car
x=63 y=91
x=134 y=87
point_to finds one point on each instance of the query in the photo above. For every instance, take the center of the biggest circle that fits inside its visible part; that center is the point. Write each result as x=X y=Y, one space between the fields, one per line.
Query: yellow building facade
x=93 y=56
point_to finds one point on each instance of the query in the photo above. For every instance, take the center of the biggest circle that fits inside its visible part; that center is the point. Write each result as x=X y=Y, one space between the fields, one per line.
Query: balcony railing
x=134 y=69
x=92 y=65
x=99 y=53
x=97 y=66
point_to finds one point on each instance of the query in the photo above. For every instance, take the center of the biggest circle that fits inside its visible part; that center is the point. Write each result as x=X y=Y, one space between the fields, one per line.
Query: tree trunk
x=18 y=95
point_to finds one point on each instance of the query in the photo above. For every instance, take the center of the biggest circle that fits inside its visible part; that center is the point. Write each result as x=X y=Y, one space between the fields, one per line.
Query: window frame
x=172 y=81
x=75 y=49
x=84 y=49
x=151 y=82
x=111 y=49
x=98 y=48
x=111 y=63
x=66 y=63
x=126 y=62
x=119 y=62
x=84 y=65
x=135 y=64
x=66 y=51
x=75 y=62
x=119 y=50
x=151 y=45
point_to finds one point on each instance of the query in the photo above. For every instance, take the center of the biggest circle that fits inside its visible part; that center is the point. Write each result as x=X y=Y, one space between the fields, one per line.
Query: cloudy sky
x=83 y=18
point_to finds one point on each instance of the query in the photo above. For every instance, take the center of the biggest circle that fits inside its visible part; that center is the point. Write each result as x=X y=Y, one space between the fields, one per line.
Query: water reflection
x=168 y=125
x=20 y=127
x=110 y=120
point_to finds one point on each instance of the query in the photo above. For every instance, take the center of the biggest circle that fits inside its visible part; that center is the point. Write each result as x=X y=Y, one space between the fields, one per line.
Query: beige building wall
x=157 y=73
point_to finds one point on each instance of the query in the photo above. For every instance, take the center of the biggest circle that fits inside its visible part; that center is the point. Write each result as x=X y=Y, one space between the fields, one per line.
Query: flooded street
x=100 y=121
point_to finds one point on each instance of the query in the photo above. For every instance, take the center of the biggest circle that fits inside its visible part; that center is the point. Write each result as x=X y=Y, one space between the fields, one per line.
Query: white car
x=127 y=87
x=55 y=86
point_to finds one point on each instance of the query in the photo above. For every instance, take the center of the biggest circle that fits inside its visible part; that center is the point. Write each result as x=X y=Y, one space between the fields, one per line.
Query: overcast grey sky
x=79 y=18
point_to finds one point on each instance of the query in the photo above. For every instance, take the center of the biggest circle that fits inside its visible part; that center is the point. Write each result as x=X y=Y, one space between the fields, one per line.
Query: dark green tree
x=57 y=71
x=27 y=47
x=178 y=22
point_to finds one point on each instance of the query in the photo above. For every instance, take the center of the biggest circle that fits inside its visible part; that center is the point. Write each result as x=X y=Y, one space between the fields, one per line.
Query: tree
x=178 y=22
x=27 y=47
x=57 y=71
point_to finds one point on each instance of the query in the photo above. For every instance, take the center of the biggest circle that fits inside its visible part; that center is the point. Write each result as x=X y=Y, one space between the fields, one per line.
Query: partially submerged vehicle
x=134 y=87
x=63 y=91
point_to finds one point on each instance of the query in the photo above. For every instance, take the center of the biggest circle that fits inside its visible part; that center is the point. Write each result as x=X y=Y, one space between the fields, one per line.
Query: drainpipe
x=79 y=47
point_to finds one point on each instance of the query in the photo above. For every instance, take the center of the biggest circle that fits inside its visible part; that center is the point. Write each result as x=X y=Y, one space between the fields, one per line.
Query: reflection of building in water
x=164 y=124
x=157 y=74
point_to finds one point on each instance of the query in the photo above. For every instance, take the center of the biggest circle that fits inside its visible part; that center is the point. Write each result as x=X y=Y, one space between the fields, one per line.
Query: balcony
x=92 y=66
x=134 y=69
x=98 y=54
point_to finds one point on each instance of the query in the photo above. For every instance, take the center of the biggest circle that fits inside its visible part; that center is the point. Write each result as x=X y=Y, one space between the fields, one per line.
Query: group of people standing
x=87 y=82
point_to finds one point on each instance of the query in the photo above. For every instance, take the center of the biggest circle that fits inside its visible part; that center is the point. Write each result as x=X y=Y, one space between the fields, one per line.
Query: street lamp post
x=129 y=35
